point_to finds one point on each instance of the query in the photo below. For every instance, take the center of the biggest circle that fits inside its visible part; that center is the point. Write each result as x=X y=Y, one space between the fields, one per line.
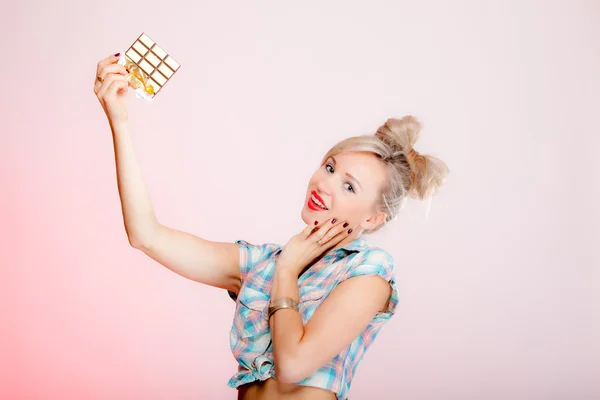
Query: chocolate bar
x=149 y=66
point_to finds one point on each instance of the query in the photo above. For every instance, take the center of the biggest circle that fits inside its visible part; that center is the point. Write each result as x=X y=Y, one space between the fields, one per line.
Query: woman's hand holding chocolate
x=110 y=86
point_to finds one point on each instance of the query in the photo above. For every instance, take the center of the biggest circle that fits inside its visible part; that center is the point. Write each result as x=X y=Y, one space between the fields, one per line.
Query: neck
x=344 y=242
x=352 y=237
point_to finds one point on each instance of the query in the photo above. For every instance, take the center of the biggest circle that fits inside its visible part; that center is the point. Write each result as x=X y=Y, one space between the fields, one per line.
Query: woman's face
x=348 y=185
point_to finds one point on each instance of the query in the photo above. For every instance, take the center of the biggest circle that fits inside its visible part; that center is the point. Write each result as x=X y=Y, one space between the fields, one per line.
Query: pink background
x=499 y=285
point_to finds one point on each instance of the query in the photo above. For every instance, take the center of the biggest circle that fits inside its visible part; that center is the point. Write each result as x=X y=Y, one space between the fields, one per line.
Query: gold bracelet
x=285 y=302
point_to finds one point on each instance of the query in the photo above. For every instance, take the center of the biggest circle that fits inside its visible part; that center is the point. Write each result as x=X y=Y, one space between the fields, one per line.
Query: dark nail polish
x=333 y=221
x=349 y=231
x=345 y=224
x=316 y=222
x=117 y=55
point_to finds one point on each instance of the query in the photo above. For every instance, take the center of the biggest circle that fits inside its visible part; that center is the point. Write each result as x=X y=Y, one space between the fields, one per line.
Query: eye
x=329 y=168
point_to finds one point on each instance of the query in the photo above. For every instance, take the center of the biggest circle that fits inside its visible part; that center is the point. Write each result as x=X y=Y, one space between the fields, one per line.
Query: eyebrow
x=350 y=176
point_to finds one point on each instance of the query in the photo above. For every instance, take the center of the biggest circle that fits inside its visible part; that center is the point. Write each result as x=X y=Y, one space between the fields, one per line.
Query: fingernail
x=316 y=222
x=345 y=224
x=349 y=231
x=117 y=55
x=333 y=221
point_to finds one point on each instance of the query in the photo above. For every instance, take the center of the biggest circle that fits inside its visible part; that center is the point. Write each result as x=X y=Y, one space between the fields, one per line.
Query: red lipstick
x=314 y=193
x=314 y=206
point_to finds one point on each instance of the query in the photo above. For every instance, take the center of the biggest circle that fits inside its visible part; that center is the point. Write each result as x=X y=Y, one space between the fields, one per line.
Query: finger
x=308 y=230
x=332 y=233
x=115 y=88
x=109 y=69
x=311 y=229
x=107 y=61
x=110 y=78
x=101 y=90
x=346 y=232
x=337 y=239
x=112 y=69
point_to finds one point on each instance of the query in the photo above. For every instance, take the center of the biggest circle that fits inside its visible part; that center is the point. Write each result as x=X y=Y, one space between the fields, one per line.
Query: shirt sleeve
x=378 y=262
x=251 y=255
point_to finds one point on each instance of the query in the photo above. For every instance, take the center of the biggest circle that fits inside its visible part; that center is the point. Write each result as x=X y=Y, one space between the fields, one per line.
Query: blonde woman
x=305 y=312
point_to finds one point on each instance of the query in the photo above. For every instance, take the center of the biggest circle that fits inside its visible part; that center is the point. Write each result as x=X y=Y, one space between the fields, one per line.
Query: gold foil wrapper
x=137 y=78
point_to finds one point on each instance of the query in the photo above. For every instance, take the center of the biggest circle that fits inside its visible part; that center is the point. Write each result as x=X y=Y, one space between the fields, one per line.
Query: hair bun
x=412 y=154
x=400 y=134
x=427 y=172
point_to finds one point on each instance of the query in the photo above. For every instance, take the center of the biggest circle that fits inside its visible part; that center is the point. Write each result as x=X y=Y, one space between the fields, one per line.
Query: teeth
x=314 y=199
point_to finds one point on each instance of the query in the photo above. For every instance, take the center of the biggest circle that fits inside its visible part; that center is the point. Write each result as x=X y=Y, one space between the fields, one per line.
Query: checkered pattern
x=250 y=337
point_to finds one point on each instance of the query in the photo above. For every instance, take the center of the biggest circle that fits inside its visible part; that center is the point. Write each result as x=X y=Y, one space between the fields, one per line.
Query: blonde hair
x=410 y=174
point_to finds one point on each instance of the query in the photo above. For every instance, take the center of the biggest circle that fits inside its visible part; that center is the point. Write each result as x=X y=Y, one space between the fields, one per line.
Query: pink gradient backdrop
x=499 y=286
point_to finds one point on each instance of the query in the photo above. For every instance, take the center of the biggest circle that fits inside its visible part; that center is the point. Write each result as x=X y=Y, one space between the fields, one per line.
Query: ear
x=374 y=221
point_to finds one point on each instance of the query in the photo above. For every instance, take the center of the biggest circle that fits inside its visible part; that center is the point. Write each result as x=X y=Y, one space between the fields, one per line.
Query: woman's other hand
x=314 y=240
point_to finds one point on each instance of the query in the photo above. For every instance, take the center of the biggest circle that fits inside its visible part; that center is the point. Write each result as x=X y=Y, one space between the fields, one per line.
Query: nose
x=322 y=189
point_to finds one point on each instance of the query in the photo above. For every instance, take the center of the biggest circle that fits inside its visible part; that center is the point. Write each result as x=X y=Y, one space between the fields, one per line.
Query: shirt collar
x=357 y=244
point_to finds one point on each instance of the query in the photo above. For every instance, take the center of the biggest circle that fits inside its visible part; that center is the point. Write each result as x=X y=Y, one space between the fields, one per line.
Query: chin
x=306 y=217
x=309 y=216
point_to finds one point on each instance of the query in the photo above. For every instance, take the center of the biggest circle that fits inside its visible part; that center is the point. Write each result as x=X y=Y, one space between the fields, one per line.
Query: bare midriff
x=271 y=389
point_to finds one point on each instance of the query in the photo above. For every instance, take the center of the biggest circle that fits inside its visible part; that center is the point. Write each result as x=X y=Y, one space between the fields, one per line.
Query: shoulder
x=253 y=258
x=255 y=252
x=368 y=260
x=371 y=260
x=375 y=261
x=256 y=256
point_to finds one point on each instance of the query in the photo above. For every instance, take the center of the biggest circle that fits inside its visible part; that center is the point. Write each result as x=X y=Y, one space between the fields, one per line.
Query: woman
x=301 y=325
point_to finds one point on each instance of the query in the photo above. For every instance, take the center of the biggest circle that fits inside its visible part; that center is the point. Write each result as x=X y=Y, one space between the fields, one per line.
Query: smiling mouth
x=314 y=202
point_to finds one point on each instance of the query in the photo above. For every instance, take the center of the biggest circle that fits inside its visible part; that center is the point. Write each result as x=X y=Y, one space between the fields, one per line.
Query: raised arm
x=212 y=263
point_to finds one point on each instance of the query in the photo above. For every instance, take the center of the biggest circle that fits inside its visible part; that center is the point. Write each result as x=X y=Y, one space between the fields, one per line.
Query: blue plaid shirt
x=250 y=336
